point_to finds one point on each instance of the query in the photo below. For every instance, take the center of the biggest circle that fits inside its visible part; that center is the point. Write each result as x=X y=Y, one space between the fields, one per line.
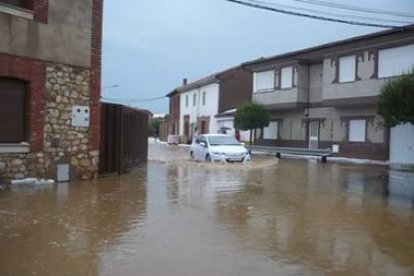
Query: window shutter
x=271 y=131
x=12 y=111
x=395 y=61
x=264 y=80
x=287 y=77
x=347 y=67
x=357 y=130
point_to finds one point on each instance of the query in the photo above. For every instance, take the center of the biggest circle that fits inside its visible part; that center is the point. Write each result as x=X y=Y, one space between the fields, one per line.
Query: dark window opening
x=12 y=111
x=203 y=127
x=24 y=4
x=187 y=129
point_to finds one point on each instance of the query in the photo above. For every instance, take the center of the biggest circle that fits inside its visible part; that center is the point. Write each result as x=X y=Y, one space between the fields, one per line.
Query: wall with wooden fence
x=124 y=139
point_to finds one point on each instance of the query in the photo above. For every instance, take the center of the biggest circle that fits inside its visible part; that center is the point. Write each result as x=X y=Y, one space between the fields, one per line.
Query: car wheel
x=208 y=158
x=191 y=155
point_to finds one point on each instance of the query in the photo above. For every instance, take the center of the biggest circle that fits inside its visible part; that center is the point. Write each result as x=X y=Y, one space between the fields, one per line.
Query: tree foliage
x=251 y=116
x=396 y=101
x=154 y=127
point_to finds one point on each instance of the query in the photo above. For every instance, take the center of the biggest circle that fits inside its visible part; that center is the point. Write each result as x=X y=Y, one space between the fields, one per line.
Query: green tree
x=154 y=127
x=396 y=100
x=251 y=116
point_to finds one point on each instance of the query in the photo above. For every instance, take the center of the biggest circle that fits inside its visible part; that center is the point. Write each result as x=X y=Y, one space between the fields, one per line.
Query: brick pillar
x=95 y=85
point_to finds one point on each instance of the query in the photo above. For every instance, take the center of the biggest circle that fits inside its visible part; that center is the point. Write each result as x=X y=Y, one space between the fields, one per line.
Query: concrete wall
x=315 y=82
x=285 y=96
x=366 y=84
x=333 y=130
x=302 y=76
x=66 y=38
x=290 y=125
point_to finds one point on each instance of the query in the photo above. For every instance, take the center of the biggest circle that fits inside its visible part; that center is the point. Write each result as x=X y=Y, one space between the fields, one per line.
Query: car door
x=202 y=148
x=196 y=148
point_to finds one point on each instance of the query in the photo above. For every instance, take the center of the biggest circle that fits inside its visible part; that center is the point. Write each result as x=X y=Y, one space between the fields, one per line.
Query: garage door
x=402 y=144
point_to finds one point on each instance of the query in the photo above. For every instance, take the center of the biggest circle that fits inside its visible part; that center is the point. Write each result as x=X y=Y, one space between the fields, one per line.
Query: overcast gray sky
x=149 y=46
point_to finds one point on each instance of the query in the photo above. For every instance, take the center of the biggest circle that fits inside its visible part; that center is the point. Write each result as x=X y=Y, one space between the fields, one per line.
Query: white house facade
x=201 y=101
x=198 y=107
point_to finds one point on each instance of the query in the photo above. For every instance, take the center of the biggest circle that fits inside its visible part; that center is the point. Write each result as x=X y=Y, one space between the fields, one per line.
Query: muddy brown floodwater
x=176 y=218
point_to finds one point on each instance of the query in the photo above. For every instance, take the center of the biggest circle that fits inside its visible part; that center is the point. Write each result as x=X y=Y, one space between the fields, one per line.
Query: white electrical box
x=63 y=172
x=335 y=148
x=80 y=116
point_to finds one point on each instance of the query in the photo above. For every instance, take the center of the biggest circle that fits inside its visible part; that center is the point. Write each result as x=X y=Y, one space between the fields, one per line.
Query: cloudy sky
x=150 y=46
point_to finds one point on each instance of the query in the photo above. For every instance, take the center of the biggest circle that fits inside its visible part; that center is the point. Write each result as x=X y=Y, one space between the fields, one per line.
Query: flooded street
x=177 y=218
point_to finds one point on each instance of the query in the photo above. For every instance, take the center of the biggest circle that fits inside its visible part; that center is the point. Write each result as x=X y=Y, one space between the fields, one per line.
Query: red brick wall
x=41 y=10
x=34 y=72
x=95 y=85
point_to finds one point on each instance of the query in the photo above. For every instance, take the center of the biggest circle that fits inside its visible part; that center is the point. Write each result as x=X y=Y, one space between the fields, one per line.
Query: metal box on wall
x=80 y=116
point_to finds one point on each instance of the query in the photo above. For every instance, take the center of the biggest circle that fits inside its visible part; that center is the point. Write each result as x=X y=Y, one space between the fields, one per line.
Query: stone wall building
x=50 y=68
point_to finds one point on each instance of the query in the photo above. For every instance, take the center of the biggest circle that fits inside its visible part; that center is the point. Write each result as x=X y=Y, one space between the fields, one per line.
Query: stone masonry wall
x=65 y=86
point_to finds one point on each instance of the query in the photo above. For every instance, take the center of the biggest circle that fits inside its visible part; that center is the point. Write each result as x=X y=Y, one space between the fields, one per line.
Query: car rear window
x=222 y=140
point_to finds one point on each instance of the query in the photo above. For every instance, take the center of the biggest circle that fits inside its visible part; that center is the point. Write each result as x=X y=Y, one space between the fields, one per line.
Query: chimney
x=185 y=81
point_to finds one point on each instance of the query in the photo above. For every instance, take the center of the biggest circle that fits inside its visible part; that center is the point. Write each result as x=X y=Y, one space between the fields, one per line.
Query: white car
x=218 y=147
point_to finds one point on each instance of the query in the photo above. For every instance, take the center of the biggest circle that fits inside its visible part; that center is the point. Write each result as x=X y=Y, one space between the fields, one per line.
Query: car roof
x=215 y=135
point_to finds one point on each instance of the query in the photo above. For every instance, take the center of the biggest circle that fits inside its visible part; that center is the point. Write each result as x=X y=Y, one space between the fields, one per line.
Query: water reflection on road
x=177 y=218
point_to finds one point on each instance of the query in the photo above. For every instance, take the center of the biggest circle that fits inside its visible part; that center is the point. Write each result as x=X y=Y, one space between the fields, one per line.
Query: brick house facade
x=52 y=51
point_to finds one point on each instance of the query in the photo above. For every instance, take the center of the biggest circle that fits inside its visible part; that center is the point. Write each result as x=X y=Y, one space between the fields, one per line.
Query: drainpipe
x=308 y=98
x=198 y=108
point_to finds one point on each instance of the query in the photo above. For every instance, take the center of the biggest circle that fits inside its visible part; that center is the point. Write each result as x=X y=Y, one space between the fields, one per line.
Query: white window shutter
x=287 y=77
x=357 y=130
x=395 y=61
x=347 y=66
x=271 y=131
x=264 y=80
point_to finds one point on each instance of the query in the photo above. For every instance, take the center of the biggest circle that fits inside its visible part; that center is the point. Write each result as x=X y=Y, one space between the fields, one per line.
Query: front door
x=187 y=127
x=313 y=134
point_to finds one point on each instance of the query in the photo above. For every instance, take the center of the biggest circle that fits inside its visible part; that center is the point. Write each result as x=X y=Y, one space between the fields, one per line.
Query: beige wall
x=65 y=39
x=366 y=86
x=315 y=82
x=276 y=97
x=302 y=75
x=334 y=126
x=291 y=125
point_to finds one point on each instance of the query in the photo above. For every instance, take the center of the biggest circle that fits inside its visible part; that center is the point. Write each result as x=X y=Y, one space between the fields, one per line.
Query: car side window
x=203 y=141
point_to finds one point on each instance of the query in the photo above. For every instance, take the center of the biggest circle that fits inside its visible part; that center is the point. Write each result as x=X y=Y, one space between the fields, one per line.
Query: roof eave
x=251 y=64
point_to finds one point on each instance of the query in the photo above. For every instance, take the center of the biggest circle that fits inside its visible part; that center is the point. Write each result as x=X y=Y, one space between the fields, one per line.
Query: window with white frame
x=347 y=67
x=286 y=77
x=357 y=130
x=194 y=99
x=186 y=100
x=264 y=81
x=204 y=98
x=271 y=131
x=395 y=61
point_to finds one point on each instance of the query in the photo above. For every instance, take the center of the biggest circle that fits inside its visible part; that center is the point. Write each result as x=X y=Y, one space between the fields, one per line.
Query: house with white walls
x=202 y=100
